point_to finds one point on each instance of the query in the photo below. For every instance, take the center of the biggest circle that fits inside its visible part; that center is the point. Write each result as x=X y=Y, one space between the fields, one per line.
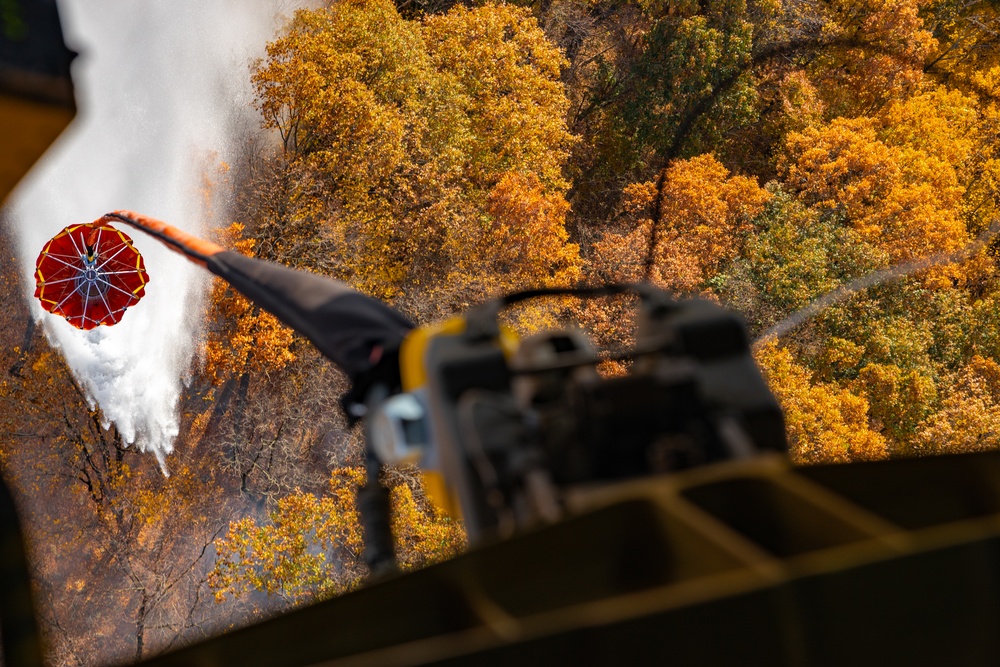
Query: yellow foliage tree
x=407 y=143
x=508 y=77
x=877 y=51
x=966 y=41
x=969 y=418
x=423 y=535
x=982 y=200
x=311 y=547
x=841 y=167
x=898 y=400
x=825 y=424
x=704 y=217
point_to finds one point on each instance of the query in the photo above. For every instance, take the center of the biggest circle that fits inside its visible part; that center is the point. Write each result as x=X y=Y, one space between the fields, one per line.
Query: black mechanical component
x=513 y=434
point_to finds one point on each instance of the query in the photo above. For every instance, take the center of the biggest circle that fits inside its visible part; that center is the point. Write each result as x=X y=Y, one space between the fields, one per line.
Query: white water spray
x=160 y=86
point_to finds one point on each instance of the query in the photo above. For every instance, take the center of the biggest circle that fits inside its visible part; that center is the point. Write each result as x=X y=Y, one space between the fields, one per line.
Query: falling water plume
x=161 y=86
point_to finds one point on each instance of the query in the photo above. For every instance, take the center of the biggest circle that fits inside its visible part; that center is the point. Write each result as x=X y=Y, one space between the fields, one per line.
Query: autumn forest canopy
x=434 y=154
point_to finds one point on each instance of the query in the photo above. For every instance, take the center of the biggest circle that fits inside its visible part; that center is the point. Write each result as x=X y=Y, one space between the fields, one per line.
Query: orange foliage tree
x=697 y=219
x=897 y=178
x=701 y=220
x=245 y=336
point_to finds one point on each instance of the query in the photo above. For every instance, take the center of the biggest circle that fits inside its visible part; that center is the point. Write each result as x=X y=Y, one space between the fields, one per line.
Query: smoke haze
x=160 y=87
